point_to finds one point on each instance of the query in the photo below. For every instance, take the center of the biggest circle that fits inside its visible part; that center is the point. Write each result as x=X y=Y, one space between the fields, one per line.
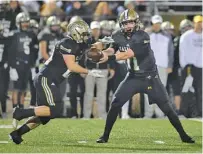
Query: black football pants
x=149 y=84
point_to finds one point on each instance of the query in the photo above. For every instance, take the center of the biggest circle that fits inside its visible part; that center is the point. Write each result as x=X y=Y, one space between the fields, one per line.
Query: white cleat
x=15 y=124
x=15 y=121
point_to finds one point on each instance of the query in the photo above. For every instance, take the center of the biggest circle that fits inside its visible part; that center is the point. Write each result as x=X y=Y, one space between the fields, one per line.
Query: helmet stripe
x=126 y=14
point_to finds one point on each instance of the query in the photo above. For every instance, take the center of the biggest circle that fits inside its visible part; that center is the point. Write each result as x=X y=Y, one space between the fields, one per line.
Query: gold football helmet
x=129 y=15
x=79 y=31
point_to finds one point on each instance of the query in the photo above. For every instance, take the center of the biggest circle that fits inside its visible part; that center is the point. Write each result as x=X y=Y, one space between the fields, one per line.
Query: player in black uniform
x=4 y=73
x=56 y=69
x=19 y=57
x=142 y=75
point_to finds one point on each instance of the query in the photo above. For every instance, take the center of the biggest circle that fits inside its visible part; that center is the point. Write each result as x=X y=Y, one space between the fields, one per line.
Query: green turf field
x=65 y=135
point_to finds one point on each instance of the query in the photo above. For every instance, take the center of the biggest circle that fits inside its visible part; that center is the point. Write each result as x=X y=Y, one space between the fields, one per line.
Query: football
x=94 y=54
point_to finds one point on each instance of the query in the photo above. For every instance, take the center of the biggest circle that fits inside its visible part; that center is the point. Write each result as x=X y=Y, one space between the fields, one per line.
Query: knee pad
x=44 y=120
x=56 y=111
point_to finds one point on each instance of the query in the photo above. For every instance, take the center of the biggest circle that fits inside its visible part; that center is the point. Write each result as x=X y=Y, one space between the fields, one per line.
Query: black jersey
x=3 y=51
x=143 y=61
x=55 y=66
x=21 y=48
x=50 y=38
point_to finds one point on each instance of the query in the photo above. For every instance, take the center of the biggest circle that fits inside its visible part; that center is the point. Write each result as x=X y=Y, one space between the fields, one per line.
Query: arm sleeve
x=170 y=53
x=182 y=49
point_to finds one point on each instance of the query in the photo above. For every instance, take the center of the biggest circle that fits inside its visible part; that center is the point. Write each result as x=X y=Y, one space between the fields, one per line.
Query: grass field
x=65 y=135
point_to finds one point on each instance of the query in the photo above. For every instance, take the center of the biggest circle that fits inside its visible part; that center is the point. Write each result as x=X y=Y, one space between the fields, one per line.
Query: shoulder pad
x=67 y=45
x=43 y=32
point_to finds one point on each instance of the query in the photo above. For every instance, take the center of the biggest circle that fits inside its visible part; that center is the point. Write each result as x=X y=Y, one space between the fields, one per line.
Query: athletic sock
x=23 y=129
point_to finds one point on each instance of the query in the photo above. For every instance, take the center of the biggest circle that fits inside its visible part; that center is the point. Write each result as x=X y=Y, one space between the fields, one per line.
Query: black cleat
x=102 y=140
x=187 y=139
x=17 y=139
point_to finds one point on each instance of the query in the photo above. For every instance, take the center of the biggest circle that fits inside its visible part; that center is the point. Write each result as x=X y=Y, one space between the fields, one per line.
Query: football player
x=58 y=67
x=49 y=36
x=20 y=58
x=134 y=46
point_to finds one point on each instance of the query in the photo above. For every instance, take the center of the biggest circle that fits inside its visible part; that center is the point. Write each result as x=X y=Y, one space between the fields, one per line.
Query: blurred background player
x=20 y=58
x=49 y=36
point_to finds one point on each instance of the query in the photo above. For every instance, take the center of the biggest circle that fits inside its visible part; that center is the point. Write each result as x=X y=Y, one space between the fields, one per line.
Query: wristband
x=112 y=58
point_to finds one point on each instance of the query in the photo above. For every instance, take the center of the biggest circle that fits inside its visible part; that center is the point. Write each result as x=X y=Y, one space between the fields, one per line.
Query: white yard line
x=159 y=142
x=196 y=119
x=3 y=142
x=7 y=126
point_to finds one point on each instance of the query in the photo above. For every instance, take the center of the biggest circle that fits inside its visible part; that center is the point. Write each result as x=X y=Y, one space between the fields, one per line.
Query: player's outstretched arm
x=74 y=67
x=118 y=56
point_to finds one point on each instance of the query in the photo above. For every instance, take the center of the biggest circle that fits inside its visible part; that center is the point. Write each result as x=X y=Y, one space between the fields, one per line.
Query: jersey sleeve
x=67 y=47
x=114 y=46
x=42 y=36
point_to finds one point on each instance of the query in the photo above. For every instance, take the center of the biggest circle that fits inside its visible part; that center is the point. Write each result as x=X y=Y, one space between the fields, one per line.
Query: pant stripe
x=46 y=91
x=49 y=92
